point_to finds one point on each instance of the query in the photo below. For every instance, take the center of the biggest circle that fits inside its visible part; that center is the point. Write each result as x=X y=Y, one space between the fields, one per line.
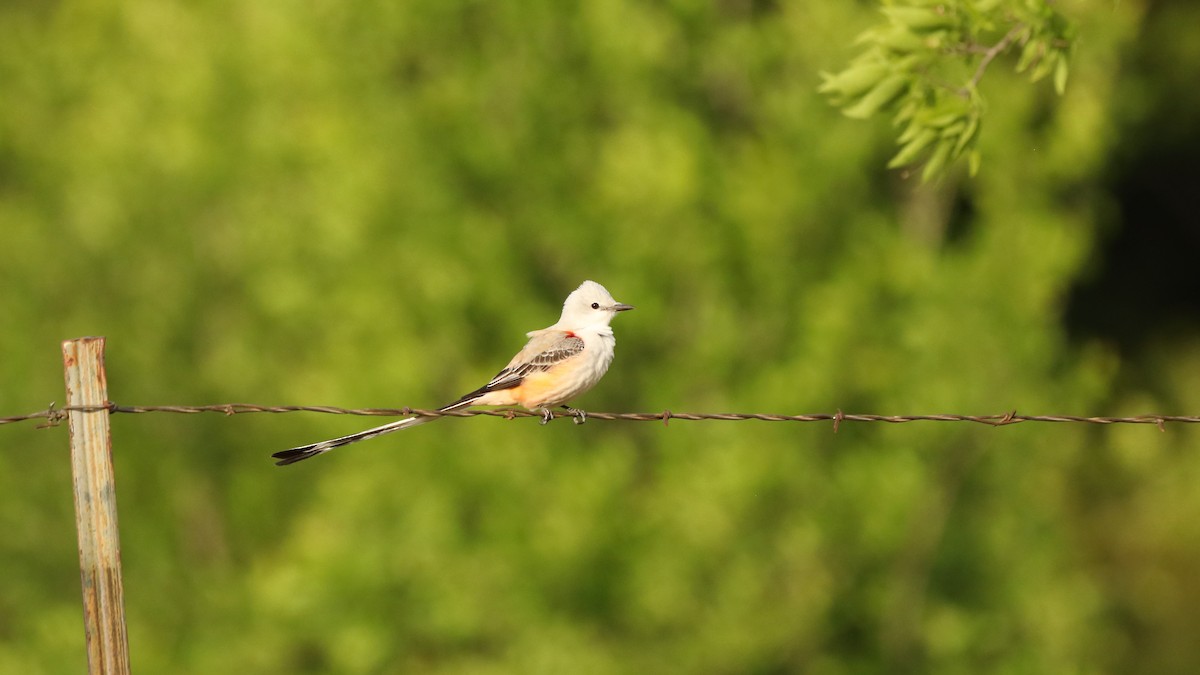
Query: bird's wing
x=545 y=349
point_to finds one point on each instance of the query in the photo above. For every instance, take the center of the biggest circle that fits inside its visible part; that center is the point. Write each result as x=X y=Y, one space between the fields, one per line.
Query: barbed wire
x=53 y=415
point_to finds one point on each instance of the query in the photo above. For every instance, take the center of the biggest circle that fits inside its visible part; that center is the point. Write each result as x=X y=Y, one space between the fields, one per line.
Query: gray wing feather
x=558 y=351
x=544 y=351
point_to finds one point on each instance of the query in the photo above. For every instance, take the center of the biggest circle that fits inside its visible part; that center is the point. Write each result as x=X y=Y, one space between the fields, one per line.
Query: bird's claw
x=546 y=416
x=580 y=414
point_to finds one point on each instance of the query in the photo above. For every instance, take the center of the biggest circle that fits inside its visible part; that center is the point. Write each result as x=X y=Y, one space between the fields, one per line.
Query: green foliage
x=925 y=64
x=369 y=204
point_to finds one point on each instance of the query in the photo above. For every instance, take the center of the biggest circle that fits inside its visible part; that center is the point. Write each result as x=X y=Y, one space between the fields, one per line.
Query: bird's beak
x=620 y=307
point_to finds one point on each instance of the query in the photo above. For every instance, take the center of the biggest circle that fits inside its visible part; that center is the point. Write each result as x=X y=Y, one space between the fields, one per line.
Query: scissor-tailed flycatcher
x=556 y=365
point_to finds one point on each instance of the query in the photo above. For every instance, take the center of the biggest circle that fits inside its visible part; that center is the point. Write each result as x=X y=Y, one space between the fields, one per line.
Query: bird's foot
x=580 y=414
x=546 y=416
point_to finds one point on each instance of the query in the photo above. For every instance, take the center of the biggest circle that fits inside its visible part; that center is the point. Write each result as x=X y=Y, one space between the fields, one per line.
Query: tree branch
x=989 y=55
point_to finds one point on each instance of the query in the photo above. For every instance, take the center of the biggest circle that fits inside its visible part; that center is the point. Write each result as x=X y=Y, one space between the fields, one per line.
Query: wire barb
x=54 y=415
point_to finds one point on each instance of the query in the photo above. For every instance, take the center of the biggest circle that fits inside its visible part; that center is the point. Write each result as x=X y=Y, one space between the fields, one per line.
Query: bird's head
x=590 y=305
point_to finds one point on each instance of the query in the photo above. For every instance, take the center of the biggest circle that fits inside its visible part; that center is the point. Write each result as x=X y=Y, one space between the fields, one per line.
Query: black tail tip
x=294 y=455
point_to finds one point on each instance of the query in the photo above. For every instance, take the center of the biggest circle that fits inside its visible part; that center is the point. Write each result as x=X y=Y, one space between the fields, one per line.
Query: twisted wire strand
x=53 y=415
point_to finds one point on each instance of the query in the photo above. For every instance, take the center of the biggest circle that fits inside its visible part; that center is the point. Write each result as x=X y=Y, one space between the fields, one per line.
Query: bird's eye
x=595 y=305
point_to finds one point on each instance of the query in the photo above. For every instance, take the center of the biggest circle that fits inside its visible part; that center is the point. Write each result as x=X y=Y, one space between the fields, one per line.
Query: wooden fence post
x=96 y=507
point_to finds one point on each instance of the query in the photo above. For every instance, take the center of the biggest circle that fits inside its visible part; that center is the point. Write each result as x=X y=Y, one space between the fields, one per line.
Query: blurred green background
x=365 y=204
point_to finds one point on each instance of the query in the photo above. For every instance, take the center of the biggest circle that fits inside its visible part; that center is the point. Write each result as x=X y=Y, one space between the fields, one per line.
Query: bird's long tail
x=303 y=452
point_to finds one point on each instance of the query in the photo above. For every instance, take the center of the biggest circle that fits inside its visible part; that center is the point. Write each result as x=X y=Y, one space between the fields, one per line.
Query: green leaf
x=909 y=152
x=907 y=111
x=899 y=39
x=954 y=129
x=1060 y=74
x=910 y=132
x=854 y=81
x=946 y=119
x=1042 y=69
x=883 y=93
x=921 y=19
x=966 y=136
x=1033 y=49
x=937 y=160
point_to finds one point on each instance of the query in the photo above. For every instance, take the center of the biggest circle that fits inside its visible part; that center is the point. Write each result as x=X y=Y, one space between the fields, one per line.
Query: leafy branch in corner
x=924 y=64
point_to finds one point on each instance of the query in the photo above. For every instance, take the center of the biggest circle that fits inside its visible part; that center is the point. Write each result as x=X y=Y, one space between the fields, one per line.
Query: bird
x=558 y=364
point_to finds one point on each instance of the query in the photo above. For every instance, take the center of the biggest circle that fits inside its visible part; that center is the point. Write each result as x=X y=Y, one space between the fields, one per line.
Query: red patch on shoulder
x=570 y=334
